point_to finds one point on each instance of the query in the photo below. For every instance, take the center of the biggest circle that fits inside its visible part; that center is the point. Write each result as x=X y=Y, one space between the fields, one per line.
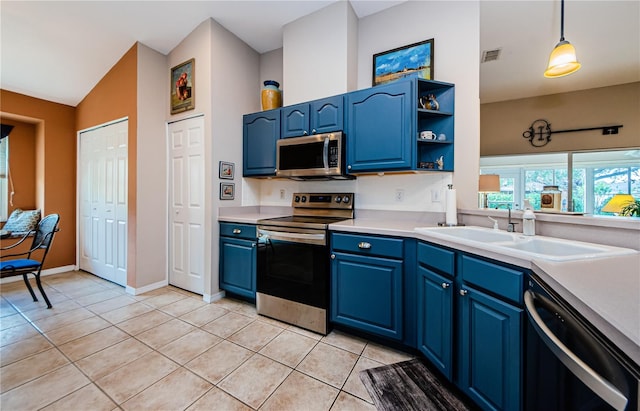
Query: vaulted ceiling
x=58 y=50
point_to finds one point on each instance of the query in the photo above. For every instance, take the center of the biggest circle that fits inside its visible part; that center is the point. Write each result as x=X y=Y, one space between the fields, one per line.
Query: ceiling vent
x=490 y=55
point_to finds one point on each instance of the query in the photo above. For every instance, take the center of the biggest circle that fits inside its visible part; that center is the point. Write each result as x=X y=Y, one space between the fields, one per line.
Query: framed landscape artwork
x=414 y=60
x=183 y=87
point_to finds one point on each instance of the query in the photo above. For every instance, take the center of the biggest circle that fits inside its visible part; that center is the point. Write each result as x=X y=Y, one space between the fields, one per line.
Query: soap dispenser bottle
x=528 y=220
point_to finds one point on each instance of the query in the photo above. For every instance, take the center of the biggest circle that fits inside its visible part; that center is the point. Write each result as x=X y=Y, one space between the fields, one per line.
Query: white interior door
x=103 y=201
x=186 y=208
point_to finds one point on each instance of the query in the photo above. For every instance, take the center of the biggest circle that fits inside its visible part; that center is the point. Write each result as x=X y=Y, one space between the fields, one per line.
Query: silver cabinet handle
x=349 y=167
x=364 y=245
x=445 y=285
x=463 y=292
x=253 y=244
x=237 y=231
x=586 y=374
x=313 y=131
x=333 y=256
x=304 y=133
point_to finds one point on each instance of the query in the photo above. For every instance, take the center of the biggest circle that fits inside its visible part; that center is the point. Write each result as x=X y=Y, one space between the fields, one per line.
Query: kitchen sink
x=468 y=233
x=520 y=246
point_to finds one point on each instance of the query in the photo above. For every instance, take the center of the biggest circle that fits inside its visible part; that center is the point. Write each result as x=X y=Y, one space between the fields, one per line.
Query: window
x=595 y=177
x=4 y=184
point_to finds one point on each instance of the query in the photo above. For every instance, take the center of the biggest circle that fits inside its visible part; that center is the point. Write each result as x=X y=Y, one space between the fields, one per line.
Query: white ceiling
x=59 y=50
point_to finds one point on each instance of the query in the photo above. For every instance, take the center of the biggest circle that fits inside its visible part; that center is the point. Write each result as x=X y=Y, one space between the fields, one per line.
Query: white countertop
x=606 y=291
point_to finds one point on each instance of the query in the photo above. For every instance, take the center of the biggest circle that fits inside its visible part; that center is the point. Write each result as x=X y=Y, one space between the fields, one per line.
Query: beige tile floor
x=102 y=349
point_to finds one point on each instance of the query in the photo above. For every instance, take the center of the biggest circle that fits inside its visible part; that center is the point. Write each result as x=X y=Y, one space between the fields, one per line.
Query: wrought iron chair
x=42 y=239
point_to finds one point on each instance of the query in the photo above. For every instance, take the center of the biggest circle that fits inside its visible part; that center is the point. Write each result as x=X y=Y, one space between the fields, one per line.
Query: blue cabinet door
x=490 y=350
x=380 y=128
x=435 y=319
x=366 y=294
x=260 y=133
x=327 y=115
x=295 y=120
x=238 y=266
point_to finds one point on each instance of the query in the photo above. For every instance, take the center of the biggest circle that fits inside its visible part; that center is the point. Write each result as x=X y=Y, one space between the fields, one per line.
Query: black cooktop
x=301 y=221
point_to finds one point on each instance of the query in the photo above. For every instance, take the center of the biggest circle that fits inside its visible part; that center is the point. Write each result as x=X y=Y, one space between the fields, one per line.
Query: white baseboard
x=49 y=271
x=146 y=288
x=211 y=298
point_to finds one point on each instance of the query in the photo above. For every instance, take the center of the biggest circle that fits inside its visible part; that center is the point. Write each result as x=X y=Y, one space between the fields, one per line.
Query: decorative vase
x=271 y=95
x=429 y=102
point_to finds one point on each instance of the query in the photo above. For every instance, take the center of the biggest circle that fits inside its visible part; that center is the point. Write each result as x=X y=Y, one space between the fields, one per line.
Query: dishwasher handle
x=597 y=383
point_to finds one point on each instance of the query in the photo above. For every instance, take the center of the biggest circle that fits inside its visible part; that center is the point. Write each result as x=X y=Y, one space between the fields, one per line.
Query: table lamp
x=617 y=203
x=488 y=183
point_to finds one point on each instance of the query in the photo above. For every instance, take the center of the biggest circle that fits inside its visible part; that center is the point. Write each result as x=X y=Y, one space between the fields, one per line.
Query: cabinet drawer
x=246 y=231
x=503 y=281
x=368 y=245
x=436 y=257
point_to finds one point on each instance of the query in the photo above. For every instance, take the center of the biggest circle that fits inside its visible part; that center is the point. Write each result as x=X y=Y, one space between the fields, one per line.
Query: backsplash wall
x=398 y=192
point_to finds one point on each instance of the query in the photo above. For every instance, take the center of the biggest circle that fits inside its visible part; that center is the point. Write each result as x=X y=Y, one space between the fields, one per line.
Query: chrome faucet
x=511 y=226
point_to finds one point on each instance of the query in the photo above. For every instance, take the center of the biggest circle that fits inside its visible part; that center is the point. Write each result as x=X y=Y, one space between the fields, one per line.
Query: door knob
x=463 y=292
x=445 y=285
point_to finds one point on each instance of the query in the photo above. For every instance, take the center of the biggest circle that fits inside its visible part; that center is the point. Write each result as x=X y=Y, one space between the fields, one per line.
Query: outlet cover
x=435 y=196
x=399 y=195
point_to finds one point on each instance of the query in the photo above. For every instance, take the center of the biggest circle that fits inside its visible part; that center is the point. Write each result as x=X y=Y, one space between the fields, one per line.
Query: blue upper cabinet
x=260 y=131
x=319 y=116
x=380 y=128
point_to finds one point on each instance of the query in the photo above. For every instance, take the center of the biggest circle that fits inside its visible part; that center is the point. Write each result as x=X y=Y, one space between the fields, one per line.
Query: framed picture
x=226 y=170
x=227 y=191
x=414 y=60
x=183 y=87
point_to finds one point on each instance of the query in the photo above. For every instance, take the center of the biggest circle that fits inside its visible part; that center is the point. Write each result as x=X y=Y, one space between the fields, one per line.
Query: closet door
x=187 y=204
x=103 y=201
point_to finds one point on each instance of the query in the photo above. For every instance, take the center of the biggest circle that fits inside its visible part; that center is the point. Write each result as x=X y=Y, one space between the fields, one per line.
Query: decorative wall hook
x=539 y=133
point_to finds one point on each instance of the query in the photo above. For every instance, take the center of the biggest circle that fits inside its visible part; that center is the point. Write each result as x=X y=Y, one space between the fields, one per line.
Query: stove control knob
x=338 y=199
x=304 y=199
x=345 y=199
x=297 y=199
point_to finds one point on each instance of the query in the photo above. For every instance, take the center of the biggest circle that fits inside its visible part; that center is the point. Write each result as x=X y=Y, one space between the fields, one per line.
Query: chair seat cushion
x=21 y=264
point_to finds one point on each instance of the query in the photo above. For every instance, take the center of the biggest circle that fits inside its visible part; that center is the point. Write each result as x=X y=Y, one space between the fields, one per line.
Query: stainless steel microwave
x=320 y=156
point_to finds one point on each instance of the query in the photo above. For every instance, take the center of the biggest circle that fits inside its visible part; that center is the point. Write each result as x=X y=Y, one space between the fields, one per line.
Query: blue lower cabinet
x=490 y=363
x=435 y=319
x=366 y=294
x=238 y=266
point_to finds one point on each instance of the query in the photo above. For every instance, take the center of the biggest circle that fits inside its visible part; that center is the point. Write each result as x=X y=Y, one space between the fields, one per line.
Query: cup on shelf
x=427 y=135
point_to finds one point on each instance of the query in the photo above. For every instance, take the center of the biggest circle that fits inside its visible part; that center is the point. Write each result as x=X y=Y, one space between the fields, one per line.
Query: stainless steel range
x=293 y=260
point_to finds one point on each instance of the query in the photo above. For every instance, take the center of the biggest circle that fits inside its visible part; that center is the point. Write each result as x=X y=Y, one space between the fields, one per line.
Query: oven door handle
x=319 y=238
x=598 y=384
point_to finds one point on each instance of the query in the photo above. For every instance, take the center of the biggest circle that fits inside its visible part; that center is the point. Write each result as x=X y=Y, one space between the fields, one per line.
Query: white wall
x=455 y=28
x=151 y=207
x=316 y=54
x=270 y=69
x=234 y=92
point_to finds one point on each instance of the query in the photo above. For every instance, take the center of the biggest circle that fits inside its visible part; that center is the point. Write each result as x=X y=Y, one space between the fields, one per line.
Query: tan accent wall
x=22 y=164
x=115 y=97
x=502 y=123
x=55 y=165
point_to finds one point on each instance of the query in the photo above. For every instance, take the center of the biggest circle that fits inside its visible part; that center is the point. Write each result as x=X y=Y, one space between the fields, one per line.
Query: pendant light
x=562 y=60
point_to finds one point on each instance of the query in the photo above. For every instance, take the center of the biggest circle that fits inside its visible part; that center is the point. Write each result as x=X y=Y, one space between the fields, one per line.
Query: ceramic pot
x=271 y=95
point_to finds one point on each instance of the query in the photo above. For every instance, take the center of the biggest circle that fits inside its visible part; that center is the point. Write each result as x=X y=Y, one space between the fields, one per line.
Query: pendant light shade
x=562 y=60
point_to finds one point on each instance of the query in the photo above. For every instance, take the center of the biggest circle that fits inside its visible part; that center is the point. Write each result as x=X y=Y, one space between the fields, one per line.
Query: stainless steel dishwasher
x=570 y=365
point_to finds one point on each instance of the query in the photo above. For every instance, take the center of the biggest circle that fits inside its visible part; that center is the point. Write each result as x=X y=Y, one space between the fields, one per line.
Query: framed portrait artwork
x=414 y=60
x=227 y=191
x=226 y=170
x=183 y=87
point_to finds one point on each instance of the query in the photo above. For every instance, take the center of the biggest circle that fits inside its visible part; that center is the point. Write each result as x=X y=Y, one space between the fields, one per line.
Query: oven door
x=293 y=265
